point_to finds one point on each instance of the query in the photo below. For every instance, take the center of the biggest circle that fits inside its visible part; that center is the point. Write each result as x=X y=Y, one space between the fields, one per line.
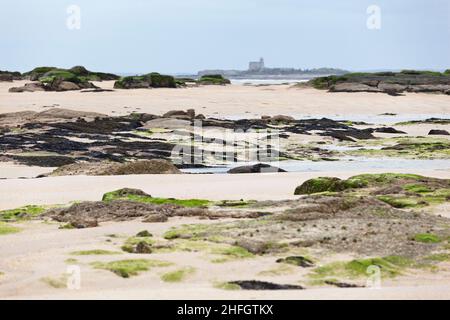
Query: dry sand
x=222 y=101
x=266 y=186
x=24 y=259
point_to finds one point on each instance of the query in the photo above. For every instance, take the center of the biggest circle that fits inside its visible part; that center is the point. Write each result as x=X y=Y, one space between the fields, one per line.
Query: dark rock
x=438 y=132
x=144 y=233
x=262 y=285
x=342 y=284
x=256 y=168
x=389 y=130
x=143 y=248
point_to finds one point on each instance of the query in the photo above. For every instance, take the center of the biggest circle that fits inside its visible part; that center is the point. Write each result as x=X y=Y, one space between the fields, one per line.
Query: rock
x=353 y=87
x=429 y=88
x=151 y=80
x=342 y=284
x=130 y=191
x=29 y=87
x=6 y=77
x=190 y=113
x=297 y=261
x=154 y=166
x=281 y=118
x=438 y=132
x=79 y=223
x=166 y=123
x=262 y=285
x=67 y=86
x=144 y=233
x=389 y=130
x=392 y=88
x=256 y=168
x=158 y=217
x=143 y=248
x=253 y=246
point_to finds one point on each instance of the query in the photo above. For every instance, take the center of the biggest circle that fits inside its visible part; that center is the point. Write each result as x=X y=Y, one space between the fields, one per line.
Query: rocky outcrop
x=393 y=83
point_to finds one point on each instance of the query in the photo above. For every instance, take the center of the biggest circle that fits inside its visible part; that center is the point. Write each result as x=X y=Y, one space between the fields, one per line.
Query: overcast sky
x=175 y=36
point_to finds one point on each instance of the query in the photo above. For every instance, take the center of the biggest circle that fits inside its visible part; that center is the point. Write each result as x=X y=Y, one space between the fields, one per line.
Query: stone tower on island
x=256 y=65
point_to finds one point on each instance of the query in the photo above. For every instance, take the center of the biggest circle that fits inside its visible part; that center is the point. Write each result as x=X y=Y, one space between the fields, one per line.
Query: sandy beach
x=230 y=101
x=28 y=272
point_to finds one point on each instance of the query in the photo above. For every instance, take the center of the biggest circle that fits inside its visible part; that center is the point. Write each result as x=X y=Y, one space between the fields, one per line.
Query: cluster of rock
x=10 y=76
x=56 y=79
x=151 y=80
x=156 y=80
x=392 y=83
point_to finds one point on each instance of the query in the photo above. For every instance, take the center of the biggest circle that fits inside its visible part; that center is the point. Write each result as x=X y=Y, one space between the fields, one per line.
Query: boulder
x=158 y=217
x=142 y=248
x=256 y=168
x=29 y=87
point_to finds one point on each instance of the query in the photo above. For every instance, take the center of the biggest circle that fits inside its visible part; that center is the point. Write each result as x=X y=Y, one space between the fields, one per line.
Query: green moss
x=386 y=178
x=57 y=283
x=438 y=257
x=231 y=253
x=227 y=286
x=22 y=213
x=71 y=261
x=417 y=188
x=128 y=268
x=193 y=231
x=7 y=229
x=115 y=195
x=178 y=275
x=427 y=238
x=94 y=252
x=390 y=266
x=403 y=202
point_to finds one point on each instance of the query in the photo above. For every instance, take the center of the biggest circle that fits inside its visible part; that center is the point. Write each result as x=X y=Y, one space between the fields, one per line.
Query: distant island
x=258 y=70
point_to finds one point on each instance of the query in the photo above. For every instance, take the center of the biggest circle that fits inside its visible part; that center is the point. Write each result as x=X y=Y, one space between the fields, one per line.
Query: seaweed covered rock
x=392 y=83
x=213 y=79
x=77 y=71
x=151 y=80
x=328 y=184
x=55 y=80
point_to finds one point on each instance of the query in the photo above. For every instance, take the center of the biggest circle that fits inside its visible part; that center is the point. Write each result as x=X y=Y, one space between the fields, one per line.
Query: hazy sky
x=189 y=35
